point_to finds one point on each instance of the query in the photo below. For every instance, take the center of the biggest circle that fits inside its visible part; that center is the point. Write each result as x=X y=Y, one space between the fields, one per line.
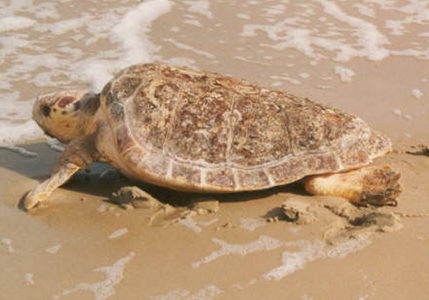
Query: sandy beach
x=369 y=59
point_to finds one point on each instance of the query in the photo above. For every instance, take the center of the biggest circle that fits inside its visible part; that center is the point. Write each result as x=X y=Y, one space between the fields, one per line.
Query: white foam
x=13 y=133
x=178 y=294
x=102 y=208
x=132 y=30
x=199 y=6
x=97 y=72
x=15 y=23
x=187 y=47
x=192 y=22
x=417 y=93
x=396 y=27
x=369 y=36
x=208 y=292
x=191 y=224
x=345 y=74
x=243 y=16
x=46 y=10
x=89 y=47
x=11 y=108
x=64 y=26
x=181 y=61
x=353 y=37
x=131 y=33
x=29 y=278
x=416 y=12
x=324 y=87
x=243 y=286
x=276 y=9
x=251 y=224
x=55 y=145
x=175 y=29
x=365 y=10
x=102 y=289
x=54 y=249
x=286 y=78
x=263 y=243
x=397 y=111
x=249 y=60
x=208 y=223
x=8 y=243
x=20 y=150
x=118 y=233
x=311 y=251
x=294 y=229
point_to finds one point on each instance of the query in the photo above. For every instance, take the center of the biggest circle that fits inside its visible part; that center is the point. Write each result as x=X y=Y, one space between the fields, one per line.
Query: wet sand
x=62 y=244
x=82 y=246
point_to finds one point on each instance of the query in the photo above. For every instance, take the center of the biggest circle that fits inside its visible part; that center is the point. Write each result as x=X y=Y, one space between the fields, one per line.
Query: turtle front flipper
x=77 y=155
x=369 y=185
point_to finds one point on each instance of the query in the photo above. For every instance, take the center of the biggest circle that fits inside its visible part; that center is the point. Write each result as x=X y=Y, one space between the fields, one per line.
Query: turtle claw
x=381 y=187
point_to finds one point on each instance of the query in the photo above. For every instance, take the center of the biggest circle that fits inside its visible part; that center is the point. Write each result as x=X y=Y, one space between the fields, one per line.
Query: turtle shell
x=202 y=131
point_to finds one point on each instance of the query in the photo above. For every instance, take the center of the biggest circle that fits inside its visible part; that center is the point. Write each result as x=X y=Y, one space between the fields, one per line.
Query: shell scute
x=125 y=86
x=134 y=157
x=200 y=128
x=221 y=178
x=150 y=112
x=124 y=140
x=260 y=132
x=117 y=112
x=249 y=179
x=355 y=155
x=155 y=164
x=288 y=171
x=186 y=174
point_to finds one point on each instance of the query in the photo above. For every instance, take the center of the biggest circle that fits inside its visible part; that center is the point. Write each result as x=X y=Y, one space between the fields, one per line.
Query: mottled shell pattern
x=201 y=131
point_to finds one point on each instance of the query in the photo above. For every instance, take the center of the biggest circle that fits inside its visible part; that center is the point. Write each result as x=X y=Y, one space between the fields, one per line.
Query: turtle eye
x=45 y=109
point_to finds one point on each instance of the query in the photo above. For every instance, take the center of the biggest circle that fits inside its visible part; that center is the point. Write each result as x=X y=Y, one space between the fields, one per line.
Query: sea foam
x=47 y=61
x=206 y=293
x=263 y=243
x=43 y=49
x=311 y=251
x=131 y=33
x=102 y=289
x=15 y=23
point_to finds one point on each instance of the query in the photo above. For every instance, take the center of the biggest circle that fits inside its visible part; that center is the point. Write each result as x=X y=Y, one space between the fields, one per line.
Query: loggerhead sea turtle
x=203 y=132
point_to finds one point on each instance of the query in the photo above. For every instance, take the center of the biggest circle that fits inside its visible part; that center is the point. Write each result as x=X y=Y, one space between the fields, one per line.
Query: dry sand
x=83 y=246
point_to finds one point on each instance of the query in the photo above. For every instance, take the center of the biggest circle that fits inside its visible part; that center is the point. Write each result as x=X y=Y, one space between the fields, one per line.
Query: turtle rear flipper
x=373 y=185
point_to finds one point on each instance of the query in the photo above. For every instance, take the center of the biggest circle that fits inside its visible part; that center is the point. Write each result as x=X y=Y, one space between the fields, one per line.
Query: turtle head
x=66 y=115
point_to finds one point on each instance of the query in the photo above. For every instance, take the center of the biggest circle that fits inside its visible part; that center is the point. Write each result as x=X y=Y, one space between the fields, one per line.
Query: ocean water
x=50 y=45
